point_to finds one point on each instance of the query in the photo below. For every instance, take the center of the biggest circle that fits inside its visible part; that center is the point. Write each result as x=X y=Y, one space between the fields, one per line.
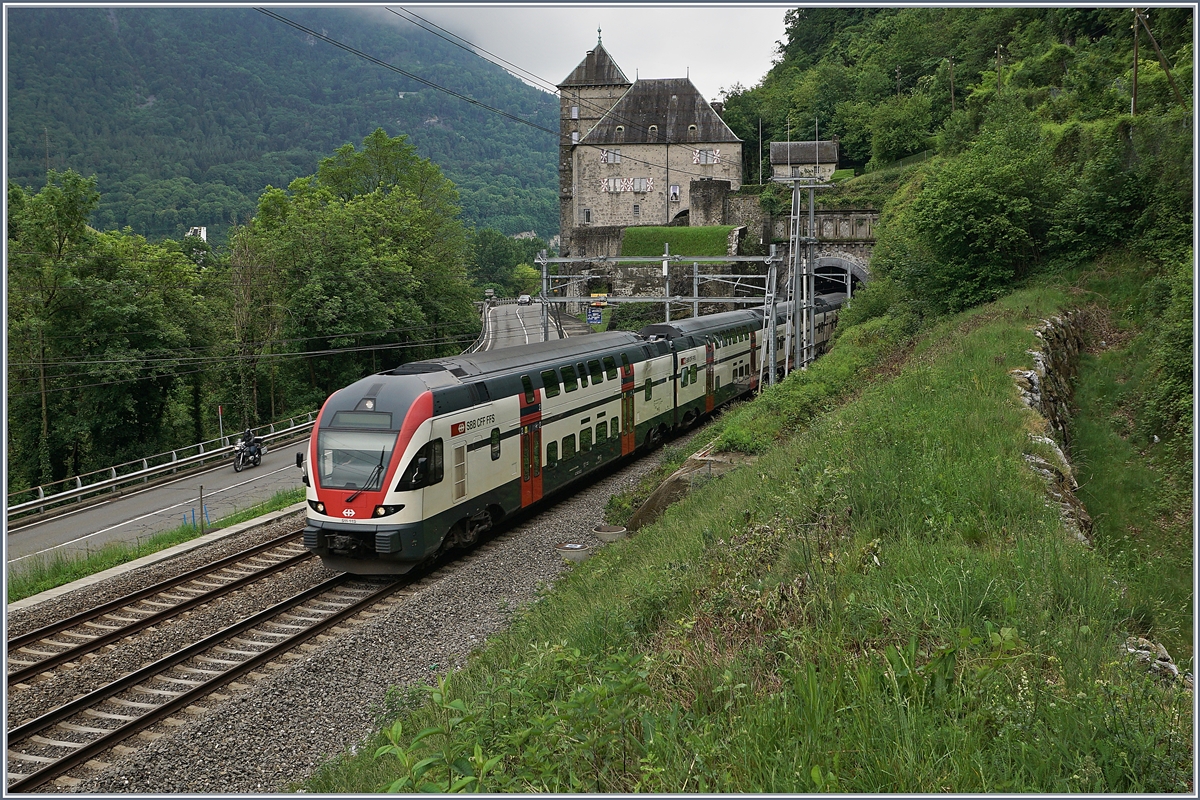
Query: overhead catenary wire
x=259 y=357
x=519 y=73
x=451 y=92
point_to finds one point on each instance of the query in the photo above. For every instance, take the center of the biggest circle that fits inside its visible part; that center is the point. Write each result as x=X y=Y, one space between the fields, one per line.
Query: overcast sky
x=717 y=46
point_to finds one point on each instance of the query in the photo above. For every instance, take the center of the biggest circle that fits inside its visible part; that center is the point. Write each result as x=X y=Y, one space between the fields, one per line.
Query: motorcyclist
x=252 y=442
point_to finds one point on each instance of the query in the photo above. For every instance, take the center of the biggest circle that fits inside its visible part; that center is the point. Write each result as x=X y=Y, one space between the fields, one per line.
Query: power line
x=150 y=363
x=453 y=93
x=264 y=357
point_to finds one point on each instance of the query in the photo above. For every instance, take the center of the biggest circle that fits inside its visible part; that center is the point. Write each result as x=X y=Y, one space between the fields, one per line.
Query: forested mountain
x=185 y=115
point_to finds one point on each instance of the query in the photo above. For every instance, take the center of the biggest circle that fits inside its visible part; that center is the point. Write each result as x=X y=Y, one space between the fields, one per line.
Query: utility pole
x=1133 y=102
x=998 y=69
x=545 y=296
x=897 y=81
x=1162 y=60
x=667 y=279
x=951 y=60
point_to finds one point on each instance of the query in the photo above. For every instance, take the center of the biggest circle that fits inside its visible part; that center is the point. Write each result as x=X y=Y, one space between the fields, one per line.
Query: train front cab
x=365 y=513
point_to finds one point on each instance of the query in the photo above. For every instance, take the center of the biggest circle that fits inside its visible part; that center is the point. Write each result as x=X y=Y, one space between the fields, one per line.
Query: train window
x=683 y=376
x=717 y=385
x=551 y=454
x=601 y=432
x=425 y=469
x=582 y=370
x=614 y=427
x=695 y=370
x=625 y=362
x=354 y=459
x=610 y=368
x=568 y=447
x=527 y=385
x=569 y=384
x=649 y=389
x=495 y=444
x=550 y=382
x=596 y=371
x=585 y=440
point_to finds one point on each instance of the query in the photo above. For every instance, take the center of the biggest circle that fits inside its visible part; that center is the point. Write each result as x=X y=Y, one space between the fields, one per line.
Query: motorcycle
x=248 y=454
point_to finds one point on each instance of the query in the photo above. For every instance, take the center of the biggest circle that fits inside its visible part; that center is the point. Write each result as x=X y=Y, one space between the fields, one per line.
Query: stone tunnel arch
x=840 y=274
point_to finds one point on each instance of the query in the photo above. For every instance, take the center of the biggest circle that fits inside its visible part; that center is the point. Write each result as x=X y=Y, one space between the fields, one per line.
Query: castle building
x=629 y=151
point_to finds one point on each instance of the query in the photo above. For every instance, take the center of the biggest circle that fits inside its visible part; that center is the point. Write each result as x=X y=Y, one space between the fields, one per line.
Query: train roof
x=701 y=325
x=507 y=359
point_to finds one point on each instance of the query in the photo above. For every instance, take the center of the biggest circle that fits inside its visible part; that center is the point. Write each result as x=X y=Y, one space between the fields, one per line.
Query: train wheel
x=653 y=439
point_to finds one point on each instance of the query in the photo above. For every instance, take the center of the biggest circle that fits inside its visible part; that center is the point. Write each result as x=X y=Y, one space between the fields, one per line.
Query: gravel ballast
x=272 y=734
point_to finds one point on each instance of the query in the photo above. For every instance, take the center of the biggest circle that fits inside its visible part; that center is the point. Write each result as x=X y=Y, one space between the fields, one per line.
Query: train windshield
x=354 y=459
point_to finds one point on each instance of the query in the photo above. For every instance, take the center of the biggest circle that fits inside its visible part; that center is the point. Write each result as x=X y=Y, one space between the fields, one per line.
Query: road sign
x=595 y=316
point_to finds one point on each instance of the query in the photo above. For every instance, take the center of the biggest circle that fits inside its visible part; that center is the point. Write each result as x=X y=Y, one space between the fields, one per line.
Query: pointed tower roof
x=596 y=69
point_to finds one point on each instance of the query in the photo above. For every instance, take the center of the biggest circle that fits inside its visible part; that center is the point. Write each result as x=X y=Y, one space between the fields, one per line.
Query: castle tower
x=585 y=96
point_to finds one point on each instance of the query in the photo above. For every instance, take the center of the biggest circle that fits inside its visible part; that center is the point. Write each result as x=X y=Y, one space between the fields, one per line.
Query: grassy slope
x=883 y=603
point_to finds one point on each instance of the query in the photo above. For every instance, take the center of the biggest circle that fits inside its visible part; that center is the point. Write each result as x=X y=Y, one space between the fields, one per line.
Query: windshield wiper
x=376 y=472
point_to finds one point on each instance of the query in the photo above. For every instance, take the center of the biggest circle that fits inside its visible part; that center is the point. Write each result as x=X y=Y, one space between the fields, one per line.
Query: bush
x=979 y=222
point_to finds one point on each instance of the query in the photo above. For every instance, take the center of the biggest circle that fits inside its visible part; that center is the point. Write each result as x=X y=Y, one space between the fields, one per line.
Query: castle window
x=654 y=129
x=574 y=112
x=620 y=129
x=574 y=137
x=706 y=156
x=674 y=193
x=587 y=215
x=610 y=156
x=637 y=209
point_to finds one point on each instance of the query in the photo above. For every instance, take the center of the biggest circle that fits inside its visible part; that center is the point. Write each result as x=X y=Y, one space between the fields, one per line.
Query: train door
x=628 y=426
x=753 y=360
x=709 y=367
x=531 y=443
x=531 y=463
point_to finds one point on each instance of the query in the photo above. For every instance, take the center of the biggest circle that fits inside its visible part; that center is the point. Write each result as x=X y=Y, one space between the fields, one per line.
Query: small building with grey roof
x=817 y=159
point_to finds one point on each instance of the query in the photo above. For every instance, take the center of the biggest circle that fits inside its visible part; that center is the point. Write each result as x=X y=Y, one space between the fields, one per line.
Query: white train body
x=405 y=463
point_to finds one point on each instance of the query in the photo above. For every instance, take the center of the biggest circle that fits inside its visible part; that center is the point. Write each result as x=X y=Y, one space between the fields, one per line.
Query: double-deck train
x=428 y=456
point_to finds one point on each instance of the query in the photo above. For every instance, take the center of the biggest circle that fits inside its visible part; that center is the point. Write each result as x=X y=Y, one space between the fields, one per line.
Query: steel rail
x=28 y=671
x=149 y=591
x=87 y=751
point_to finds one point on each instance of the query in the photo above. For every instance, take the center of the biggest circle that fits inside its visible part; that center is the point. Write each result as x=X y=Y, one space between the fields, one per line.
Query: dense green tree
x=98 y=325
x=367 y=257
x=978 y=222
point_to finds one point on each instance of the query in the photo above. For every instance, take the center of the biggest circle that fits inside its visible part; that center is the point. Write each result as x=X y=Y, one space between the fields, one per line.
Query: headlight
x=316 y=506
x=384 y=511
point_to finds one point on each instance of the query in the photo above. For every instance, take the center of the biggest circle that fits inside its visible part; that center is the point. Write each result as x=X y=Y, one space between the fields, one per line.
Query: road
x=510 y=324
x=137 y=516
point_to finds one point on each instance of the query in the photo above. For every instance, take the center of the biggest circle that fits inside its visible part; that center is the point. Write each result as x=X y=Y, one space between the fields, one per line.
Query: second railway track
x=65 y=641
x=74 y=734
x=77 y=732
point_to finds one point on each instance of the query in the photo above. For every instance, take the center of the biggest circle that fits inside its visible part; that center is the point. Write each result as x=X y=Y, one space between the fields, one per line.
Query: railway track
x=75 y=733
x=66 y=641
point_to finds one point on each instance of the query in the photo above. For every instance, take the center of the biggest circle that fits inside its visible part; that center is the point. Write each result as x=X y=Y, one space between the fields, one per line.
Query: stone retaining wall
x=1047 y=389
